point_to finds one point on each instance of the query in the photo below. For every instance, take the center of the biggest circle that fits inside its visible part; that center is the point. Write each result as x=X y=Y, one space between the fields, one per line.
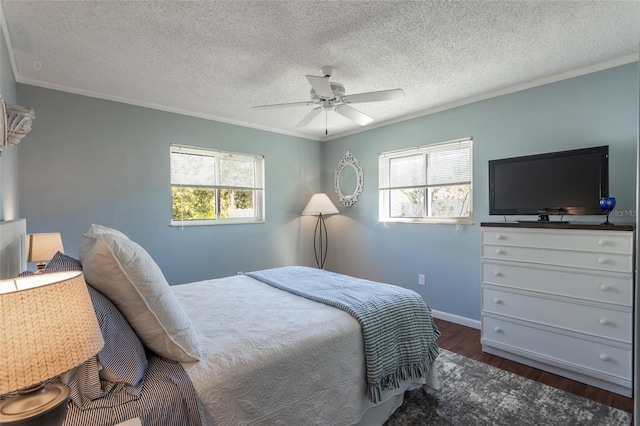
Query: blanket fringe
x=405 y=372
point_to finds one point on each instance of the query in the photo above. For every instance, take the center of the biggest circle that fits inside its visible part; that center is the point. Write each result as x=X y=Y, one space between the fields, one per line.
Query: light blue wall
x=9 y=160
x=93 y=161
x=595 y=109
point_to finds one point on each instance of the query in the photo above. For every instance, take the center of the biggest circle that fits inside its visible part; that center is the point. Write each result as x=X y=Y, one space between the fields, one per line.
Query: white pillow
x=101 y=229
x=125 y=273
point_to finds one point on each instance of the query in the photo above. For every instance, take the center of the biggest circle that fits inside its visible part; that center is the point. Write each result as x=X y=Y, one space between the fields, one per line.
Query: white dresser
x=559 y=298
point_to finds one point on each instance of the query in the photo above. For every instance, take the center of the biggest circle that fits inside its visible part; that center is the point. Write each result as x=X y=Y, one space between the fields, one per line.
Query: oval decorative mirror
x=348 y=180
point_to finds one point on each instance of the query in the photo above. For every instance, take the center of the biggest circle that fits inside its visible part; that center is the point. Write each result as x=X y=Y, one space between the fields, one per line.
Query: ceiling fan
x=330 y=96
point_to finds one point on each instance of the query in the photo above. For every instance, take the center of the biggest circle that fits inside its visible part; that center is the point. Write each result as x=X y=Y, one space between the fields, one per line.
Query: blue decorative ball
x=607 y=203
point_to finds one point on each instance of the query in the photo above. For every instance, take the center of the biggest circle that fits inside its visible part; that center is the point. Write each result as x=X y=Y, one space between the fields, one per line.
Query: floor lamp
x=320 y=205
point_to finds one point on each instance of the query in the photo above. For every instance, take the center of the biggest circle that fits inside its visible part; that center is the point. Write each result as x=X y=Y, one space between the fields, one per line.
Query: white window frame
x=385 y=187
x=258 y=188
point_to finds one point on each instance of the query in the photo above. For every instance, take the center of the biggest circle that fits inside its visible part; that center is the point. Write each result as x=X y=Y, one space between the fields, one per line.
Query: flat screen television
x=555 y=183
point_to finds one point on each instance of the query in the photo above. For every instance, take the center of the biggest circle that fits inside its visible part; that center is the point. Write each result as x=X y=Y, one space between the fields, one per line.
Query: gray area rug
x=473 y=393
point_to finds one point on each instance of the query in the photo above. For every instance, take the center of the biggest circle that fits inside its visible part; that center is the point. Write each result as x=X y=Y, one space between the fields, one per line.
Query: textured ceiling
x=217 y=59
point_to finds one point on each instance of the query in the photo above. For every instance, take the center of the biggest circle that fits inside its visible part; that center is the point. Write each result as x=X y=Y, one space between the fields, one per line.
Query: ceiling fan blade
x=321 y=86
x=310 y=116
x=382 y=95
x=353 y=114
x=290 y=104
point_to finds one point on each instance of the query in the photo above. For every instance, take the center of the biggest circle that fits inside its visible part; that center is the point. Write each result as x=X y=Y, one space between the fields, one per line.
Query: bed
x=234 y=351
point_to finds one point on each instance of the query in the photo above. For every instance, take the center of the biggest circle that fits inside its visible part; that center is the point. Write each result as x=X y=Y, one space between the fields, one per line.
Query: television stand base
x=542 y=218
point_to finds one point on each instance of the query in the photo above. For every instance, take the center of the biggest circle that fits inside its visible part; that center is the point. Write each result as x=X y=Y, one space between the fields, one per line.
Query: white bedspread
x=271 y=357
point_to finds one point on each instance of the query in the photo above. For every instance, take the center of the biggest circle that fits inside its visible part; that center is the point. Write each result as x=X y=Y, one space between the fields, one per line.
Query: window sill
x=435 y=221
x=189 y=223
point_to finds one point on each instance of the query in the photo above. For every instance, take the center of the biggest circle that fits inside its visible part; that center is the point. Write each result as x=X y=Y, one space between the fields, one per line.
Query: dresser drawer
x=593 y=320
x=599 y=241
x=577 y=259
x=561 y=350
x=608 y=287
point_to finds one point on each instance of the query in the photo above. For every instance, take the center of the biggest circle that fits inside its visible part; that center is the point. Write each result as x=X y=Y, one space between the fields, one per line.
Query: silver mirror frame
x=348 y=160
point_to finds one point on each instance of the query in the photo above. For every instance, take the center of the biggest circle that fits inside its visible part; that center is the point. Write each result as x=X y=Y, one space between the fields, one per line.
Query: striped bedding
x=398 y=330
x=165 y=397
x=123 y=381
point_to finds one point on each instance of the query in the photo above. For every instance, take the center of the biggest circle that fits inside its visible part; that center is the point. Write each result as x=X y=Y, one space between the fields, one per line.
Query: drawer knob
x=604 y=287
x=602 y=243
x=497 y=329
x=604 y=321
x=497 y=301
x=497 y=273
x=499 y=237
x=604 y=357
x=602 y=261
x=500 y=251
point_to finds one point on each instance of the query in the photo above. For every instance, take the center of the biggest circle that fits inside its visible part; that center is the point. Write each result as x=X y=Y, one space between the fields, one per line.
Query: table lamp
x=42 y=248
x=47 y=327
x=320 y=205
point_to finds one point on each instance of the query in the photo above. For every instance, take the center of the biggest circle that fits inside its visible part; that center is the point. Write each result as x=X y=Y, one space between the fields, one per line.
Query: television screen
x=556 y=183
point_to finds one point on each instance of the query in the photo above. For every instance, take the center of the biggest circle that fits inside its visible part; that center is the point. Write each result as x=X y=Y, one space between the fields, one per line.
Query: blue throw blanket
x=399 y=333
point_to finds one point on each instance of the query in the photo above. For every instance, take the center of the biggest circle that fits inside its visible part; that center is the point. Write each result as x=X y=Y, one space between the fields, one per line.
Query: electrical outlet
x=421 y=279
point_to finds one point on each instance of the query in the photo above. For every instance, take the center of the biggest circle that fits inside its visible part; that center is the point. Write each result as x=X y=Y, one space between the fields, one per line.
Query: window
x=214 y=187
x=430 y=184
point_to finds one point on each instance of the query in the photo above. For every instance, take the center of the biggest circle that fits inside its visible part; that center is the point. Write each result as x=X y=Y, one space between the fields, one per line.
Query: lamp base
x=41 y=266
x=320 y=242
x=41 y=405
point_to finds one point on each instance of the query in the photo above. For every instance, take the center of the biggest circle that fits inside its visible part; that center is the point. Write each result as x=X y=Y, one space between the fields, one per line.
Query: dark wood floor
x=466 y=341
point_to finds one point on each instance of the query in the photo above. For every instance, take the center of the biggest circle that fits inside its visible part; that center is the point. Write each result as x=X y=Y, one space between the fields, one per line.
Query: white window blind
x=407 y=171
x=192 y=169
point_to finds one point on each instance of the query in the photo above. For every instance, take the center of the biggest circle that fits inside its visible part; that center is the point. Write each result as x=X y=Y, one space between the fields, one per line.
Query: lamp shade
x=42 y=247
x=319 y=204
x=47 y=327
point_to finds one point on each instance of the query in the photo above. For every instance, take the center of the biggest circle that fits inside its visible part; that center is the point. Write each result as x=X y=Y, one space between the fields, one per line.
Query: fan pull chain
x=326 y=130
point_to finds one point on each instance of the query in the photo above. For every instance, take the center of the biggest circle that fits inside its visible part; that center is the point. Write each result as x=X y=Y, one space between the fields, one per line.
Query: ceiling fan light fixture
x=337 y=90
x=329 y=95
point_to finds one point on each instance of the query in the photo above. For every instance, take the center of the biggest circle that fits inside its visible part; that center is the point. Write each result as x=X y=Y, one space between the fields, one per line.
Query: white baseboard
x=456 y=319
